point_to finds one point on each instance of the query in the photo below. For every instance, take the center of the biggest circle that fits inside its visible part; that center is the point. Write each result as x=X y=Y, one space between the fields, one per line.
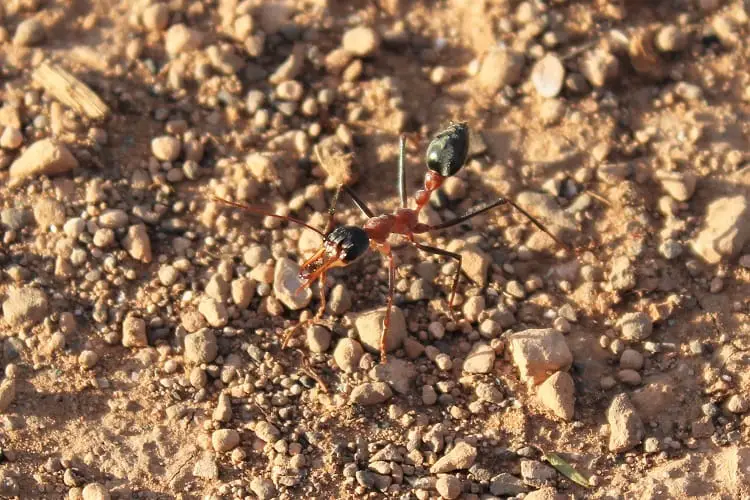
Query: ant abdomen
x=449 y=150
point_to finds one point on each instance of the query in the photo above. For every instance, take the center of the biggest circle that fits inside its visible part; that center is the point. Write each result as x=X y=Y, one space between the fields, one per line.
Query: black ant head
x=341 y=247
x=449 y=150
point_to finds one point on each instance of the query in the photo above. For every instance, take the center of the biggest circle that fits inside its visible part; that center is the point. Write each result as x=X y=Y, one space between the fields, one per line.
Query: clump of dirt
x=143 y=319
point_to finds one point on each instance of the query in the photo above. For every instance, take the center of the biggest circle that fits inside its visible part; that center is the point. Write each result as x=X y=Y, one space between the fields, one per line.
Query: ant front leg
x=402 y=170
x=456 y=276
x=318 y=316
x=389 y=305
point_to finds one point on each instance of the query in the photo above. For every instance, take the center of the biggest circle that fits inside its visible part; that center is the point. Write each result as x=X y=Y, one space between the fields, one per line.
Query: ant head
x=449 y=150
x=341 y=247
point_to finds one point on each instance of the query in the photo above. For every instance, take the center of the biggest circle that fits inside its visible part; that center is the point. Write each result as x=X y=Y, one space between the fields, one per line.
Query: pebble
x=223 y=410
x=635 y=326
x=181 y=39
x=224 y=440
x=461 y=456
x=625 y=426
x=290 y=90
x=449 y=487
x=557 y=393
x=215 y=312
x=361 y=41
x=369 y=327
x=25 y=305
x=505 y=485
x=370 y=393
x=622 y=275
x=11 y=138
x=538 y=353
x=599 y=67
x=726 y=229
x=473 y=308
x=242 y=292
x=134 y=332
x=671 y=249
x=201 y=347
x=206 y=467
x=548 y=76
x=29 y=32
x=631 y=359
x=7 y=394
x=347 y=354
x=480 y=359
x=88 y=359
x=536 y=473
x=44 y=157
x=264 y=489
x=397 y=373
x=95 y=491
x=340 y=300
x=501 y=67
x=629 y=377
x=137 y=243
x=488 y=393
x=429 y=396
x=670 y=38
x=318 y=338
x=678 y=185
x=156 y=17
x=737 y=403
x=113 y=218
x=166 y=148
x=267 y=432
x=285 y=284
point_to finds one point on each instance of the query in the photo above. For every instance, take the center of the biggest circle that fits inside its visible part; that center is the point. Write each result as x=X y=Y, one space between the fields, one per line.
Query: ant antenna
x=266 y=213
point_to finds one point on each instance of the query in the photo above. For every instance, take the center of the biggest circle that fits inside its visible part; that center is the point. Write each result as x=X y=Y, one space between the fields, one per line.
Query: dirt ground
x=142 y=320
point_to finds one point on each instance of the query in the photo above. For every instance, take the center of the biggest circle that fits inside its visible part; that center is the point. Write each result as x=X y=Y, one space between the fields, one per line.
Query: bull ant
x=342 y=245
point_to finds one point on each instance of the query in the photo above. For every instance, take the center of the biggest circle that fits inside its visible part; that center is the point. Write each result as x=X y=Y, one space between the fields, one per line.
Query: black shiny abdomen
x=449 y=150
x=351 y=240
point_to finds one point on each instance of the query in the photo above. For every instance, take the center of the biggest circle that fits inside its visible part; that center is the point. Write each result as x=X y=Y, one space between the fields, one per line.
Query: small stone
x=501 y=67
x=286 y=282
x=206 y=467
x=29 y=32
x=726 y=229
x=371 y=393
x=429 y=396
x=290 y=90
x=7 y=394
x=137 y=243
x=267 y=432
x=361 y=41
x=166 y=148
x=448 y=487
x=95 y=491
x=397 y=373
x=215 y=312
x=224 y=440
x=340 y=300
x=347 y=354
x=625 y=426
x=480 y=359
x=548 y=76
x=635 y=326
x=551 y=111
x=11 y=138
x=473 y=308
x=737 y=403
x=622 y=275
x=557 y=393
x=538 y=353
x=264 y=489
x=318 y=338
x=536 y=473
x=670 y=38
x=670 y=249
x=181 y=39
x=113 y=219
x=488 y=393
x=629 y=377
x=599 y=67
x=223 y=410
x=134 y=332
x=461 y=456
x=88 y=359
x=631 y=359
x=504 y=485
x=242 y=291
x=369 y=327
x=201 y=347
x=156 y=17
x=679 y=185
x=25 y=305
x=44 y=157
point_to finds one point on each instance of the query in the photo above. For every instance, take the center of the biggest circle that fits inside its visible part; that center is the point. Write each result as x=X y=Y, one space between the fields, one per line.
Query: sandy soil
x=142 y=321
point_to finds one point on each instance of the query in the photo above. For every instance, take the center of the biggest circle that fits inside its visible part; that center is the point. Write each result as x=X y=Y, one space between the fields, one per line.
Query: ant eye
x=449 y=150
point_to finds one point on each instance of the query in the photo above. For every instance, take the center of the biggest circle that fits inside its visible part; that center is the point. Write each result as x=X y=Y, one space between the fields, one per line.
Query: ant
x=342 y=245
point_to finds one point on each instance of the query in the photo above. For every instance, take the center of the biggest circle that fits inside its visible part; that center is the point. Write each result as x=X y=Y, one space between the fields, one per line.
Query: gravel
x=369 y=327
x=461 y=456
x=44 y=157
x=201 y=347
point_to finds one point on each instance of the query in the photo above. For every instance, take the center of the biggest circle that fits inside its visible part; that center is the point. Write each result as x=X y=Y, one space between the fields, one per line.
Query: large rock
x=369 y=326
x=286 y=284
x=538 y=353
x=557 y=393
x=25 y=305
x=726 y=229
x=44 y=157
x=461 y=456
x=625 y=426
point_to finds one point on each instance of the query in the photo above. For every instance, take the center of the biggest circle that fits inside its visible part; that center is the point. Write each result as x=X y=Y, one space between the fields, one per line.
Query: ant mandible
x=342 y=245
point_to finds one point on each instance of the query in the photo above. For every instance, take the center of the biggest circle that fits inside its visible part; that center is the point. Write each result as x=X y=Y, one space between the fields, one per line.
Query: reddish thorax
x=404 y=220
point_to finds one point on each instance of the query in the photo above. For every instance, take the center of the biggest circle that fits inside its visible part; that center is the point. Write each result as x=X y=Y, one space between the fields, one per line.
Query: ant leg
x=490 y=205
x=401 y=170
x=389 y=306
x=322 y=292
x=289 y=333
x=456 y=276
x=361 y=205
